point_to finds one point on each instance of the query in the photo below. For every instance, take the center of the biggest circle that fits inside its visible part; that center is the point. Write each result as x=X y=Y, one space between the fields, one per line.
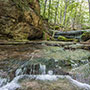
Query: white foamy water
x=50 y=72
x=79 y=85
x=14 y=84
x=18 y=72
x=3 y=81
x=48 y=77
x=43 y=69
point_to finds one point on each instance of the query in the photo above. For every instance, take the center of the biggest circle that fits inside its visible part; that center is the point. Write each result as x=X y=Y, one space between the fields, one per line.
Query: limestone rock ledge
x=20 y=20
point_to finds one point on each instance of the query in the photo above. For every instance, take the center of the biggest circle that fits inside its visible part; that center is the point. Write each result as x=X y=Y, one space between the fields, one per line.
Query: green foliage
x=76 y=12
x=85 y=27
x=56 y=27
x=48 y=39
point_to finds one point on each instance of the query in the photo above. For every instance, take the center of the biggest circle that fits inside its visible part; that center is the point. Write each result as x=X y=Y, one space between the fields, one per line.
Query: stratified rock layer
x=20 y=20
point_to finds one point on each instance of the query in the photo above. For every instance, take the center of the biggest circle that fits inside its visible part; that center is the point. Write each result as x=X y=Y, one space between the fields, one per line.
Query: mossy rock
x=75 y=40
x=21 y=22
x=46 y=36
x=85 y=36
x=62 y=38
x=48 y=39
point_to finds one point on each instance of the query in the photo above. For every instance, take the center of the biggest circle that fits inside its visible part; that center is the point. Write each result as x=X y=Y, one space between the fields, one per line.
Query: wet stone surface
x=42 y=60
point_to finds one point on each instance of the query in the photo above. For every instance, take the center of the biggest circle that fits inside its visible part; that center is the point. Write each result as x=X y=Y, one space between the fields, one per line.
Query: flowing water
x=65 y=68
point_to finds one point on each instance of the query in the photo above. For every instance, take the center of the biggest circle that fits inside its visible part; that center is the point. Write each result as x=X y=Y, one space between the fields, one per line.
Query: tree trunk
x=49 y=9
x=64 y=18
x=61 y=13
x=56 y=12
x=45 y=8
x=89 y=8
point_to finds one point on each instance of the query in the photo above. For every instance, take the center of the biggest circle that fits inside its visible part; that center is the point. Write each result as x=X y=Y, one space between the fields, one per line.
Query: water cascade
x=47 y=70
x=14 y=84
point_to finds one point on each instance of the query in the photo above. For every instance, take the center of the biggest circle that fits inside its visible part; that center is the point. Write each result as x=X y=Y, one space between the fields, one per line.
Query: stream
x=44 y=66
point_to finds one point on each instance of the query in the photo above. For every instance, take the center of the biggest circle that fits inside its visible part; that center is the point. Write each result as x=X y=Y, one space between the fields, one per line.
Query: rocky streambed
x=45 y=66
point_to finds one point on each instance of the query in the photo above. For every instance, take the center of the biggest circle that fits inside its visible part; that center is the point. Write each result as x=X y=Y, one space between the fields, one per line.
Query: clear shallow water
x=62 y=54
x=52 y=65
x=82 y=73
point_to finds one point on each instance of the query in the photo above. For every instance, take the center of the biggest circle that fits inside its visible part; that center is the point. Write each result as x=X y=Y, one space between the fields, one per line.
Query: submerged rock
x=70 y=35
x=49 y=60
x=82 y=73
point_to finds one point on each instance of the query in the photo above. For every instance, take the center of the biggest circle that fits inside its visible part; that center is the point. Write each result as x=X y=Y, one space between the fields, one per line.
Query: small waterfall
x=40 y=72
x=43 y=69
x=18 y=72
x=32 y=69
x=78 y=85
x=3 y=81
x=14 y=84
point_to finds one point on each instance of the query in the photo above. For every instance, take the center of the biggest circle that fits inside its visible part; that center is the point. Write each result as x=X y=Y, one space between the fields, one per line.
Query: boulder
x=20 y=20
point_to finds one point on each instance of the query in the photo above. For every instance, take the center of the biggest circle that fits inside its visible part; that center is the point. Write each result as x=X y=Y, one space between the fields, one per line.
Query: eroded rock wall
x=20 y=20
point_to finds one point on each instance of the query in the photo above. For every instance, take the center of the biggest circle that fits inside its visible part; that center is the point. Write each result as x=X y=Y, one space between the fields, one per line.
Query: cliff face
x=20 y=20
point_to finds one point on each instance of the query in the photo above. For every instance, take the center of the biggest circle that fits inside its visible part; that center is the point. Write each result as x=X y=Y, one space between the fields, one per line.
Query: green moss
x=52 y=39
x=48 y=39
x=56 y=27
x=85 y=27
x=85 y=36
x=62 y=38
x=43 y=35
x=46 y=36
x=75 y=40
x=22 y=4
